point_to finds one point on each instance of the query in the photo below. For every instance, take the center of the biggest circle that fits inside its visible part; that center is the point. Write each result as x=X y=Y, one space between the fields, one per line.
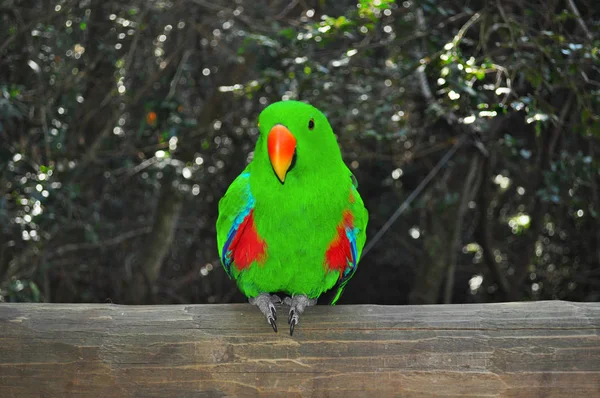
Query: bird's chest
x=300 y=227
x=300 y=216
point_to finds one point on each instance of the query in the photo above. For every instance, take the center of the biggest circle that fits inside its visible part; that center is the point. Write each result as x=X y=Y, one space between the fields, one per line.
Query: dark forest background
x=122 y=123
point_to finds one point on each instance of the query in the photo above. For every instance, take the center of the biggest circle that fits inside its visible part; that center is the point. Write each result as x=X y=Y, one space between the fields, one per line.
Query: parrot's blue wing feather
x=354 y=181
x=234 y=207
x=356 y=237
x=226 y=253
x=351 y=268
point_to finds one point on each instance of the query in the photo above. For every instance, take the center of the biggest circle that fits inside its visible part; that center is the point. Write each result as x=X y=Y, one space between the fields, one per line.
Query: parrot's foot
x=265 y=303
x=297 y=305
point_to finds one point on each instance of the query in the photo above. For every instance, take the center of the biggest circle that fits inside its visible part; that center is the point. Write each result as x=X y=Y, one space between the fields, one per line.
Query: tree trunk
x=156 y=246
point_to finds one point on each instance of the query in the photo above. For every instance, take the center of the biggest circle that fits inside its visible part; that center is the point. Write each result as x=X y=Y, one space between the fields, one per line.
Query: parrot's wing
x=235 y=213
x=356 y=237
x=354 y=181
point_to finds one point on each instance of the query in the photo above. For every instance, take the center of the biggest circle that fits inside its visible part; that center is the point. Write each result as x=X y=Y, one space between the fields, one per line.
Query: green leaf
x=288 y=33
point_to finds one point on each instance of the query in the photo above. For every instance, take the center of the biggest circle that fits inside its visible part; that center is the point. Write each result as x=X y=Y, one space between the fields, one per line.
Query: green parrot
x=292 y=222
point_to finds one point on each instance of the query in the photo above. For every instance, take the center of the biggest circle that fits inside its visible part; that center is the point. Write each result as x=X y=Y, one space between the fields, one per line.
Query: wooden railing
x=540 y=349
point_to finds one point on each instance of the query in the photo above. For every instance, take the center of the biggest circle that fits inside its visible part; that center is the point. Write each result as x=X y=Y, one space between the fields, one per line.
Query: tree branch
x=537 y=207
x=73 y=247
x=580 y=21
x=462 y=209
x=484 y=233
x=596 y=199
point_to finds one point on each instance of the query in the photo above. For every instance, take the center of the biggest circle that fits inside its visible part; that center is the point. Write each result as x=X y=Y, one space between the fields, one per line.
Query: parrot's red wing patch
x=247 y=247
x=339 y=253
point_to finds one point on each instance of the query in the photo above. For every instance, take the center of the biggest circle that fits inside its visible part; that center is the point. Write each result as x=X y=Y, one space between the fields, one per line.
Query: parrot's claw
x=273 y=324
x=274 y=314
x=266 y=304
x=297 y=306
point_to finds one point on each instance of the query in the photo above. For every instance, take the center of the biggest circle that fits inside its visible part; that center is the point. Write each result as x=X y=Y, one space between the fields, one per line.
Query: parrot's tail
x=338 y=293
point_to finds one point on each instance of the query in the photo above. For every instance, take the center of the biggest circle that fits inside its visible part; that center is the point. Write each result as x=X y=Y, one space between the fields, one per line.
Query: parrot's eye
x=311 y=124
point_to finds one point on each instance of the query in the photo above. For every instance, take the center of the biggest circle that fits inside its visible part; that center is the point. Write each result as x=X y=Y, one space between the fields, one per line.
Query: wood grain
x=541 y=349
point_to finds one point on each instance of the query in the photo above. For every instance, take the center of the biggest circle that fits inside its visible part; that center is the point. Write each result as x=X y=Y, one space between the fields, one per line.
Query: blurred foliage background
x=122 y=123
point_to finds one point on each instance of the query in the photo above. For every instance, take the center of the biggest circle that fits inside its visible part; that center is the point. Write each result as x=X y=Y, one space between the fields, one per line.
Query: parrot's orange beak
x=281 y=144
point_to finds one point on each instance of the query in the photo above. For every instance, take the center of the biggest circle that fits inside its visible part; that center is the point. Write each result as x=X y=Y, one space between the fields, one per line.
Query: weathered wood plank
x=513 y=349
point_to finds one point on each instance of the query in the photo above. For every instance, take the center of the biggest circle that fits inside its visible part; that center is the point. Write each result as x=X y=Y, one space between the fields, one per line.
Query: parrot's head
x=297 y=138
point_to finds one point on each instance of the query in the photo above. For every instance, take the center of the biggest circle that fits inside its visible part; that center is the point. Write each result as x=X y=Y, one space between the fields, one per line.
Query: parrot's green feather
x=298 y=220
